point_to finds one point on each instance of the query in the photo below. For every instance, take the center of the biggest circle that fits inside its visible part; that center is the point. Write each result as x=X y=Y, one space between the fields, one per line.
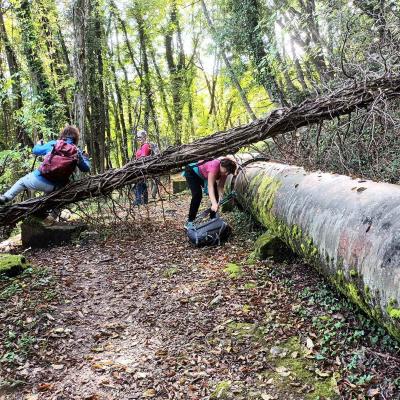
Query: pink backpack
x=59 y=165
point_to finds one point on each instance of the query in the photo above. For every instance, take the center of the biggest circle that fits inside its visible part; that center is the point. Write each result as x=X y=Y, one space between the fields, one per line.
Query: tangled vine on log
x=340 y=102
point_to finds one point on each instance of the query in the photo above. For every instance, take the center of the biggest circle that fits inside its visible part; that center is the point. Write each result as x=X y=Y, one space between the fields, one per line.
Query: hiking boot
x=189 y=225
x=3 y=200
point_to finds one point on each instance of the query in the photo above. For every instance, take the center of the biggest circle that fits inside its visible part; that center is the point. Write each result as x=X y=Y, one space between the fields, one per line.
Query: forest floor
x=141 y=314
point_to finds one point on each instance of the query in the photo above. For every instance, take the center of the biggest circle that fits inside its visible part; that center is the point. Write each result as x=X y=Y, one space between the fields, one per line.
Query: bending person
x=40 y=179
x=209 y=177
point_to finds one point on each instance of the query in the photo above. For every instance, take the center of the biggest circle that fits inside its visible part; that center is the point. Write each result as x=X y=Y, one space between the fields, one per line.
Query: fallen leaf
x=322 y=374
x=373 y=392
x=282 y=371
x=309 y=343
x=149 y=393
x=33 y=396
x=42 y=387
x=266 y=396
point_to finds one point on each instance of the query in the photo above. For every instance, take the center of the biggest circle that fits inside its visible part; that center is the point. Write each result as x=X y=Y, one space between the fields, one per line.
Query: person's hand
x=214 y=207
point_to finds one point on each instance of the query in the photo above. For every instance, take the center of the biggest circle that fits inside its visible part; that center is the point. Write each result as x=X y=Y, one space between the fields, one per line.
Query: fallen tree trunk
x=340 y=102
x=348 y=228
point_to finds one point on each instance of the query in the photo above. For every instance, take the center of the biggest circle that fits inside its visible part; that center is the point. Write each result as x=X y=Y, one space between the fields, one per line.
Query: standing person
x=140 y=188
x=209 y=176
x=62 y=157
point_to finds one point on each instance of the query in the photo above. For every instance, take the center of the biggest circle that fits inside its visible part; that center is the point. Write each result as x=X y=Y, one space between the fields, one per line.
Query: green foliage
x=14 y=164
x=281 y=52
x=233 y=270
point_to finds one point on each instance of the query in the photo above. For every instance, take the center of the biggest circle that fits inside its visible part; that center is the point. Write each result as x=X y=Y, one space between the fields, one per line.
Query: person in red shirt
x=144 y=150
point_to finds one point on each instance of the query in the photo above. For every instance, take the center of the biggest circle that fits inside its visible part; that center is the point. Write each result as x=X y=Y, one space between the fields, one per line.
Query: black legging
x=196 y=184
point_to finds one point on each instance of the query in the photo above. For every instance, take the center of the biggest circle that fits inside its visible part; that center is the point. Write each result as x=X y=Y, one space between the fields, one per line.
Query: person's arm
x=83 y=161
x=212 y=178
x=221 y=187
x=41 y=149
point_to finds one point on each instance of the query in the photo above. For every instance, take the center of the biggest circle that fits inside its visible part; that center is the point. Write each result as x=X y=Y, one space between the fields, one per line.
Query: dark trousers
x=195 y=184
x=141 y=195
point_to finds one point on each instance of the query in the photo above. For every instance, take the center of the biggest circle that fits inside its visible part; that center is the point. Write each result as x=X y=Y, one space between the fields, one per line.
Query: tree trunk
x=125 y=156
x=79 y=65
x=280 y=121
x=177 y=70
x=13 y=67
x=46 y=93
x=347 y=229
x=59 y=71
x=161 y=88
x=95 y=68
x=149 y=104
x=126 y=83
x=232 y=74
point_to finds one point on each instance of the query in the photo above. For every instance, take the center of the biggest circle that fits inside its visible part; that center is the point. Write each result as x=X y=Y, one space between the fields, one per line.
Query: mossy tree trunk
x=347 y=228
x=51 y=102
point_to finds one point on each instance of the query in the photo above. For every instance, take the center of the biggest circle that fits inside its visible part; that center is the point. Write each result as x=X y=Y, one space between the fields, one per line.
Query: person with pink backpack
x=62 y=156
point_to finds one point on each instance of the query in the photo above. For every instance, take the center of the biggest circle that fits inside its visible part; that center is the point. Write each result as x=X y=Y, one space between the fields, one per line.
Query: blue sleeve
x=83 y=162
x=43 y=149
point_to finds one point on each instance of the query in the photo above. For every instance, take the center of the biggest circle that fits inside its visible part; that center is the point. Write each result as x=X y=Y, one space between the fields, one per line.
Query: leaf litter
x=142 y=314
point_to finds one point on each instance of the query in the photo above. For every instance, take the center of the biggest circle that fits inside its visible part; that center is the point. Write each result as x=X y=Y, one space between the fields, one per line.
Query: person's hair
x=229 y=165
x=70 y=131
x=141 y=133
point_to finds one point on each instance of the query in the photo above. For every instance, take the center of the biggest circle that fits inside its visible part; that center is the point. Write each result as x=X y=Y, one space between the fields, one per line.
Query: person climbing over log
x=208 y=177
x=62 y=156
x=140 y=188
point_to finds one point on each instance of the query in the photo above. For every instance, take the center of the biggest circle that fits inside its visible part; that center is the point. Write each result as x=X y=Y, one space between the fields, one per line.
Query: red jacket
x=144 y=151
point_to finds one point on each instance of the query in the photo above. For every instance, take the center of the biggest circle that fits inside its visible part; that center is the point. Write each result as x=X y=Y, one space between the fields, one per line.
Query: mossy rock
x=12 y=264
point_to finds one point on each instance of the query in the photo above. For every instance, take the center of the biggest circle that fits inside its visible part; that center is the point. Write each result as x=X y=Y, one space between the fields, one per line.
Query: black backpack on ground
x=210 y=233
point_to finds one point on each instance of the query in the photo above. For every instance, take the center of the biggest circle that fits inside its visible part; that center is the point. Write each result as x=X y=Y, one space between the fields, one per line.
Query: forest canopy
x=184 y=69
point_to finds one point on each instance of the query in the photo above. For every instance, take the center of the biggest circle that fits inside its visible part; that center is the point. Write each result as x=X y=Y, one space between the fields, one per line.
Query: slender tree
x=230 y=70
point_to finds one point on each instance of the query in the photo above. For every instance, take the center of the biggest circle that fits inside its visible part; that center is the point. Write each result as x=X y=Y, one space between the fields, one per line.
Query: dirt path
x=146 y=315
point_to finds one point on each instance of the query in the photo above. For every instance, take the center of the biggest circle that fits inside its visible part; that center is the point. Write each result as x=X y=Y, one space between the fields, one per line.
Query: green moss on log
x=262 y=191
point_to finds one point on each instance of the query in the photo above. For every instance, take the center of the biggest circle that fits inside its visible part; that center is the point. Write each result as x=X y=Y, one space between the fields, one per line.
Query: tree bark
x=125 y=156
x=150 y=110
x=46 y=93
x=95 y=73
x=13 y=67
x=59 y=71
x=341 y=102
x=347 y=229
x=79 y=65
x=161 y=88
x=177 y=70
